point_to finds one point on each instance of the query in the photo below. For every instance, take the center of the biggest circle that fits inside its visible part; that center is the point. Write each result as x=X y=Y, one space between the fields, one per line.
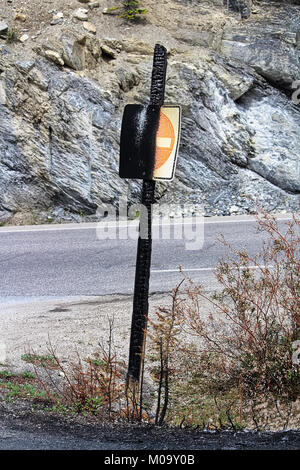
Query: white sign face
x=167 y=143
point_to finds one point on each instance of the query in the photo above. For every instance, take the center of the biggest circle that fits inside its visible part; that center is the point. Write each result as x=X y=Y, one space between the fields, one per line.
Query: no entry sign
x=167 y=142
x=149 y=142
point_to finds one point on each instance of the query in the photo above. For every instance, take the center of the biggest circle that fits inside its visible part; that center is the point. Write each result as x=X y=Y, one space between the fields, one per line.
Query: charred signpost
x=149 y=143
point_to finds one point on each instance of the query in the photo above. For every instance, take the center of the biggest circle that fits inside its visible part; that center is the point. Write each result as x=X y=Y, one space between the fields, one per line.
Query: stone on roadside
x=3 y=28
x=89 y=27
x=57 y=18
x=93 y=5
x=81 y=14
x=111 y=11
x=113 y=43
x=24 y=37
x=233 y=209
x=20 y=17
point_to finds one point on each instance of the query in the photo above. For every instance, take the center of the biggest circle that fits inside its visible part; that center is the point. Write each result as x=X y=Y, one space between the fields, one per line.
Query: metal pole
x=143 y=260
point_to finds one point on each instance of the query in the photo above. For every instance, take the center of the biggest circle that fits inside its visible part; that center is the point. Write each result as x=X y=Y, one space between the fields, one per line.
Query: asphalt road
x=70 y=260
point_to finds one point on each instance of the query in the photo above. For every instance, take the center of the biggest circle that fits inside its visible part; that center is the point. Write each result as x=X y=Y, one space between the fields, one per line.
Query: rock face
x=271 y=47
x=241 y=6
x=61 y=111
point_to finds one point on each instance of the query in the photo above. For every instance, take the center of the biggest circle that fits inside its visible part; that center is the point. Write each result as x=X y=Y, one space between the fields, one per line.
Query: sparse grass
x=14 y=386
x=28 y=375
x=47 y=361
x=93 y=385
x=129 y=10
x=12 y=390
x=12 y=35
x=7 y=374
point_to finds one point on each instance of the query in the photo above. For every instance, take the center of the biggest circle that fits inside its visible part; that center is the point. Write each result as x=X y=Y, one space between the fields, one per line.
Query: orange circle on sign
x=165 y=139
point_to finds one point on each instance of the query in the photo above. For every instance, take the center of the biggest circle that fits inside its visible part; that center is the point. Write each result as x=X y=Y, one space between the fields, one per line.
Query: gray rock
x=269 y=45
x=57 y=18
x=73 y=50
x=93 y=5
x=81 y=14
x=267 y=117
x=241 y=6
x=3 y=28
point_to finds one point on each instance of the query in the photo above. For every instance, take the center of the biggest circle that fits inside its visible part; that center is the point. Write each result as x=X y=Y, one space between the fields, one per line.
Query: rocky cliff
x=67 y=71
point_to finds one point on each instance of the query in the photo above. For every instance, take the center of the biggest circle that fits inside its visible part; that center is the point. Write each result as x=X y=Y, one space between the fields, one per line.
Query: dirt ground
x=70 y=326
x=39 y=15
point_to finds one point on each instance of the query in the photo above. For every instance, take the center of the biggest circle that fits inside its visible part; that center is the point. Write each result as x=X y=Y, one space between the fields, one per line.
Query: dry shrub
x=164 y=335
x=240 y=364
x=94 y=385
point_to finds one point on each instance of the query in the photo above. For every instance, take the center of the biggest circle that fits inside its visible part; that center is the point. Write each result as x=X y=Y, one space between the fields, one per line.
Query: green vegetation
x=13 y=390
x=6 y=374
x=42 y=360
x=14 y=386
x=12 y=35
x=28 y=375
x=130 y=10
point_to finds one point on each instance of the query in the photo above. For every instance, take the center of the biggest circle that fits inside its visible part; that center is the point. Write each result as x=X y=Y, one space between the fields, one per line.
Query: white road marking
x=204 y=269
x=124 y=224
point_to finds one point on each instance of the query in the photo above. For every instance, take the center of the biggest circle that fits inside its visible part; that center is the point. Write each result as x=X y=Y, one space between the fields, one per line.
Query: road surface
x=70 y=260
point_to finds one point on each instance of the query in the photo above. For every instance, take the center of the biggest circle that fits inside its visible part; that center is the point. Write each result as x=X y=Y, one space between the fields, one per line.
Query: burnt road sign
x=148 y=151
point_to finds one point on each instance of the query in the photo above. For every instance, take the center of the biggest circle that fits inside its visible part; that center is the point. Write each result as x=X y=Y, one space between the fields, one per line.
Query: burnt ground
x=24 y=428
